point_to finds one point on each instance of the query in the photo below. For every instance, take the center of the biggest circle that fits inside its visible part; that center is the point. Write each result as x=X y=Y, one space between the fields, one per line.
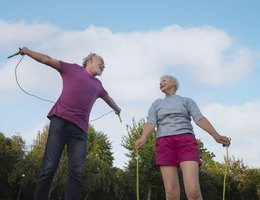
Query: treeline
x=19 y=167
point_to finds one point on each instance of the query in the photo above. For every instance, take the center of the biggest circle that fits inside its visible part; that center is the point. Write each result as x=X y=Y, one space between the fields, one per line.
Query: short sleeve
x=152 y=113
x=194 y=110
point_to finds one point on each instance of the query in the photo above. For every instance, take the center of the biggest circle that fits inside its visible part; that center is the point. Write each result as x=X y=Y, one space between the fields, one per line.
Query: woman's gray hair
x=172 y=78
x=88 y=58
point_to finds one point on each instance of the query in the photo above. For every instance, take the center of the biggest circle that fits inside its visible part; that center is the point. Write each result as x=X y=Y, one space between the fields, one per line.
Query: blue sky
x=212 y=47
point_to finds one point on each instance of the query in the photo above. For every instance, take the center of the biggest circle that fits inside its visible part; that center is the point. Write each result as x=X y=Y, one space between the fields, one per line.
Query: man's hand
x=22 y=50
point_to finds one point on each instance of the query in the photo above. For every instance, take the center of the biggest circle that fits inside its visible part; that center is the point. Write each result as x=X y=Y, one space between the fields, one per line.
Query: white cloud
x=13 y=34
x=136 y=56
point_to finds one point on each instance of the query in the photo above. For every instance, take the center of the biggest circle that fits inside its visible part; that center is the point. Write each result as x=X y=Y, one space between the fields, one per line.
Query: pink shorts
x=174 y=149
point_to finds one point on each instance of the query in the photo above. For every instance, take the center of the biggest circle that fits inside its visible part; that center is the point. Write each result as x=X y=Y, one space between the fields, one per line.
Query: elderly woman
x=176 y=144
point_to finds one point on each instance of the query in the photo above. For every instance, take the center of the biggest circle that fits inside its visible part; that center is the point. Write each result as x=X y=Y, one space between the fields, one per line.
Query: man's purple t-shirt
x=79 y=93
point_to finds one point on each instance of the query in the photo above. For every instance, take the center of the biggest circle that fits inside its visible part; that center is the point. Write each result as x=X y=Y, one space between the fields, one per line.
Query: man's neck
x=91 y=73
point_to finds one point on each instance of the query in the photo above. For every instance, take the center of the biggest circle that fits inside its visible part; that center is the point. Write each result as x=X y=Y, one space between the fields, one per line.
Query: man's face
x=98 y=65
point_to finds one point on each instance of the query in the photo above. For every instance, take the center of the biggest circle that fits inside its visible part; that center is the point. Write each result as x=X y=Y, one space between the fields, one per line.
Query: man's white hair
x=172 y=78
x=89 y=58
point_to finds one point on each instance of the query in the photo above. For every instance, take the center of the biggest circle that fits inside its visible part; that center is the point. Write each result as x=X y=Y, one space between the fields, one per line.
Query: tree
x=28 y=167
x=12 y=150
x=241 y=182
x=99 y=172
x=244 y=182
x=211 y=174
x=124 y=185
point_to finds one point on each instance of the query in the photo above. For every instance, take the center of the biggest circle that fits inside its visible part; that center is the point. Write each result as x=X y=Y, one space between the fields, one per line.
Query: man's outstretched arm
x=42 y=58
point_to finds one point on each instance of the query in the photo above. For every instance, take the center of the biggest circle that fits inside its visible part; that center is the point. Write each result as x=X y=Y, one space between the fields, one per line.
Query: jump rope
x=225 y=173
x=137 y=157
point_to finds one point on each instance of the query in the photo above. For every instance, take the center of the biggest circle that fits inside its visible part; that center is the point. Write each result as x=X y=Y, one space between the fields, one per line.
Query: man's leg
x=53 y=150
x=77 y=149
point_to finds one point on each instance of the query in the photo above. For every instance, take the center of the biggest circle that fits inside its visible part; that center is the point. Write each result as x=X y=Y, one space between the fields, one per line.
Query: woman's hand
x=139 y=143
x=225 y=141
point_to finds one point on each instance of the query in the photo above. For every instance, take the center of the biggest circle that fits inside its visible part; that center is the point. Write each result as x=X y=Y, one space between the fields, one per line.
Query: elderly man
x=69 y=119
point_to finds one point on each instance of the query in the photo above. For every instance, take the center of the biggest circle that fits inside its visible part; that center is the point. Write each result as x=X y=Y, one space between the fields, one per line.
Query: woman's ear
x=174 y=83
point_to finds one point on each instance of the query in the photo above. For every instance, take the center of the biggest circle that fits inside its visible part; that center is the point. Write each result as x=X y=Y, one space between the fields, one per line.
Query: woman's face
x=166 y=84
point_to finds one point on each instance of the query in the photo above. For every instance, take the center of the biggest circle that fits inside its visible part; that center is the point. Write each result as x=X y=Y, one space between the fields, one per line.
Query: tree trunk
x=149 y=193
x=86 y=197
x=51 y=189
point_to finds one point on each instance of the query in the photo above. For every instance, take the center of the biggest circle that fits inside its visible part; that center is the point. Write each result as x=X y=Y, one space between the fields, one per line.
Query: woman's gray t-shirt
x=172 y=115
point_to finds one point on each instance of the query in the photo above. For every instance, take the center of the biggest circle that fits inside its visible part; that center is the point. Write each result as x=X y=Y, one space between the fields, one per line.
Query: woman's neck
x=169 y=93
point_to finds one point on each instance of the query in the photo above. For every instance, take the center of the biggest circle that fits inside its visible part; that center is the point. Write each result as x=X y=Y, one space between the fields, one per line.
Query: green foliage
x=99 y=146
x=124 y=185
x=244 y=180
x=25 y=171
x=11 y=152
x=99 y=172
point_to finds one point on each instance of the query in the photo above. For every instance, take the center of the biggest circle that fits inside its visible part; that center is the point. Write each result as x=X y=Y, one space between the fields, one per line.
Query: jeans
x=61 y=133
